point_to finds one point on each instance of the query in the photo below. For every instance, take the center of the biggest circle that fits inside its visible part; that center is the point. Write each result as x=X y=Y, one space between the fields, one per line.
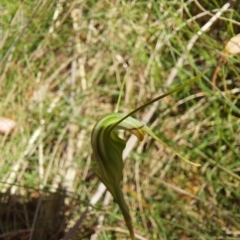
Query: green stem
x=125 y=212
x=120 y=95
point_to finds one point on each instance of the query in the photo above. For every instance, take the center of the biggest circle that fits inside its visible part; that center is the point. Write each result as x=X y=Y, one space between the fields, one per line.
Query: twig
x=73 y=230
x=58 y=11
x=192 y=41
x=15 y=169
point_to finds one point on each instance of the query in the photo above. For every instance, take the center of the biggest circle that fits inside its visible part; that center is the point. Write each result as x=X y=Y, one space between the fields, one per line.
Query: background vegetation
x=62 y=64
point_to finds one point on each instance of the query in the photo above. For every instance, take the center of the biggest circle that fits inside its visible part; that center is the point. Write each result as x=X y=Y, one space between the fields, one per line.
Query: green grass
x=58 y=76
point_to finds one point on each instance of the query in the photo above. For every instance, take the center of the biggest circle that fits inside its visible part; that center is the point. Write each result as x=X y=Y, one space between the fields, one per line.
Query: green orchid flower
x=107 y=156
x=108 y=147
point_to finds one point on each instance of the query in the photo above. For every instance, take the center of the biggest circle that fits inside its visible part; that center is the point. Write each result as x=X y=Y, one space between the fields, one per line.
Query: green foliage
x=57 y=79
